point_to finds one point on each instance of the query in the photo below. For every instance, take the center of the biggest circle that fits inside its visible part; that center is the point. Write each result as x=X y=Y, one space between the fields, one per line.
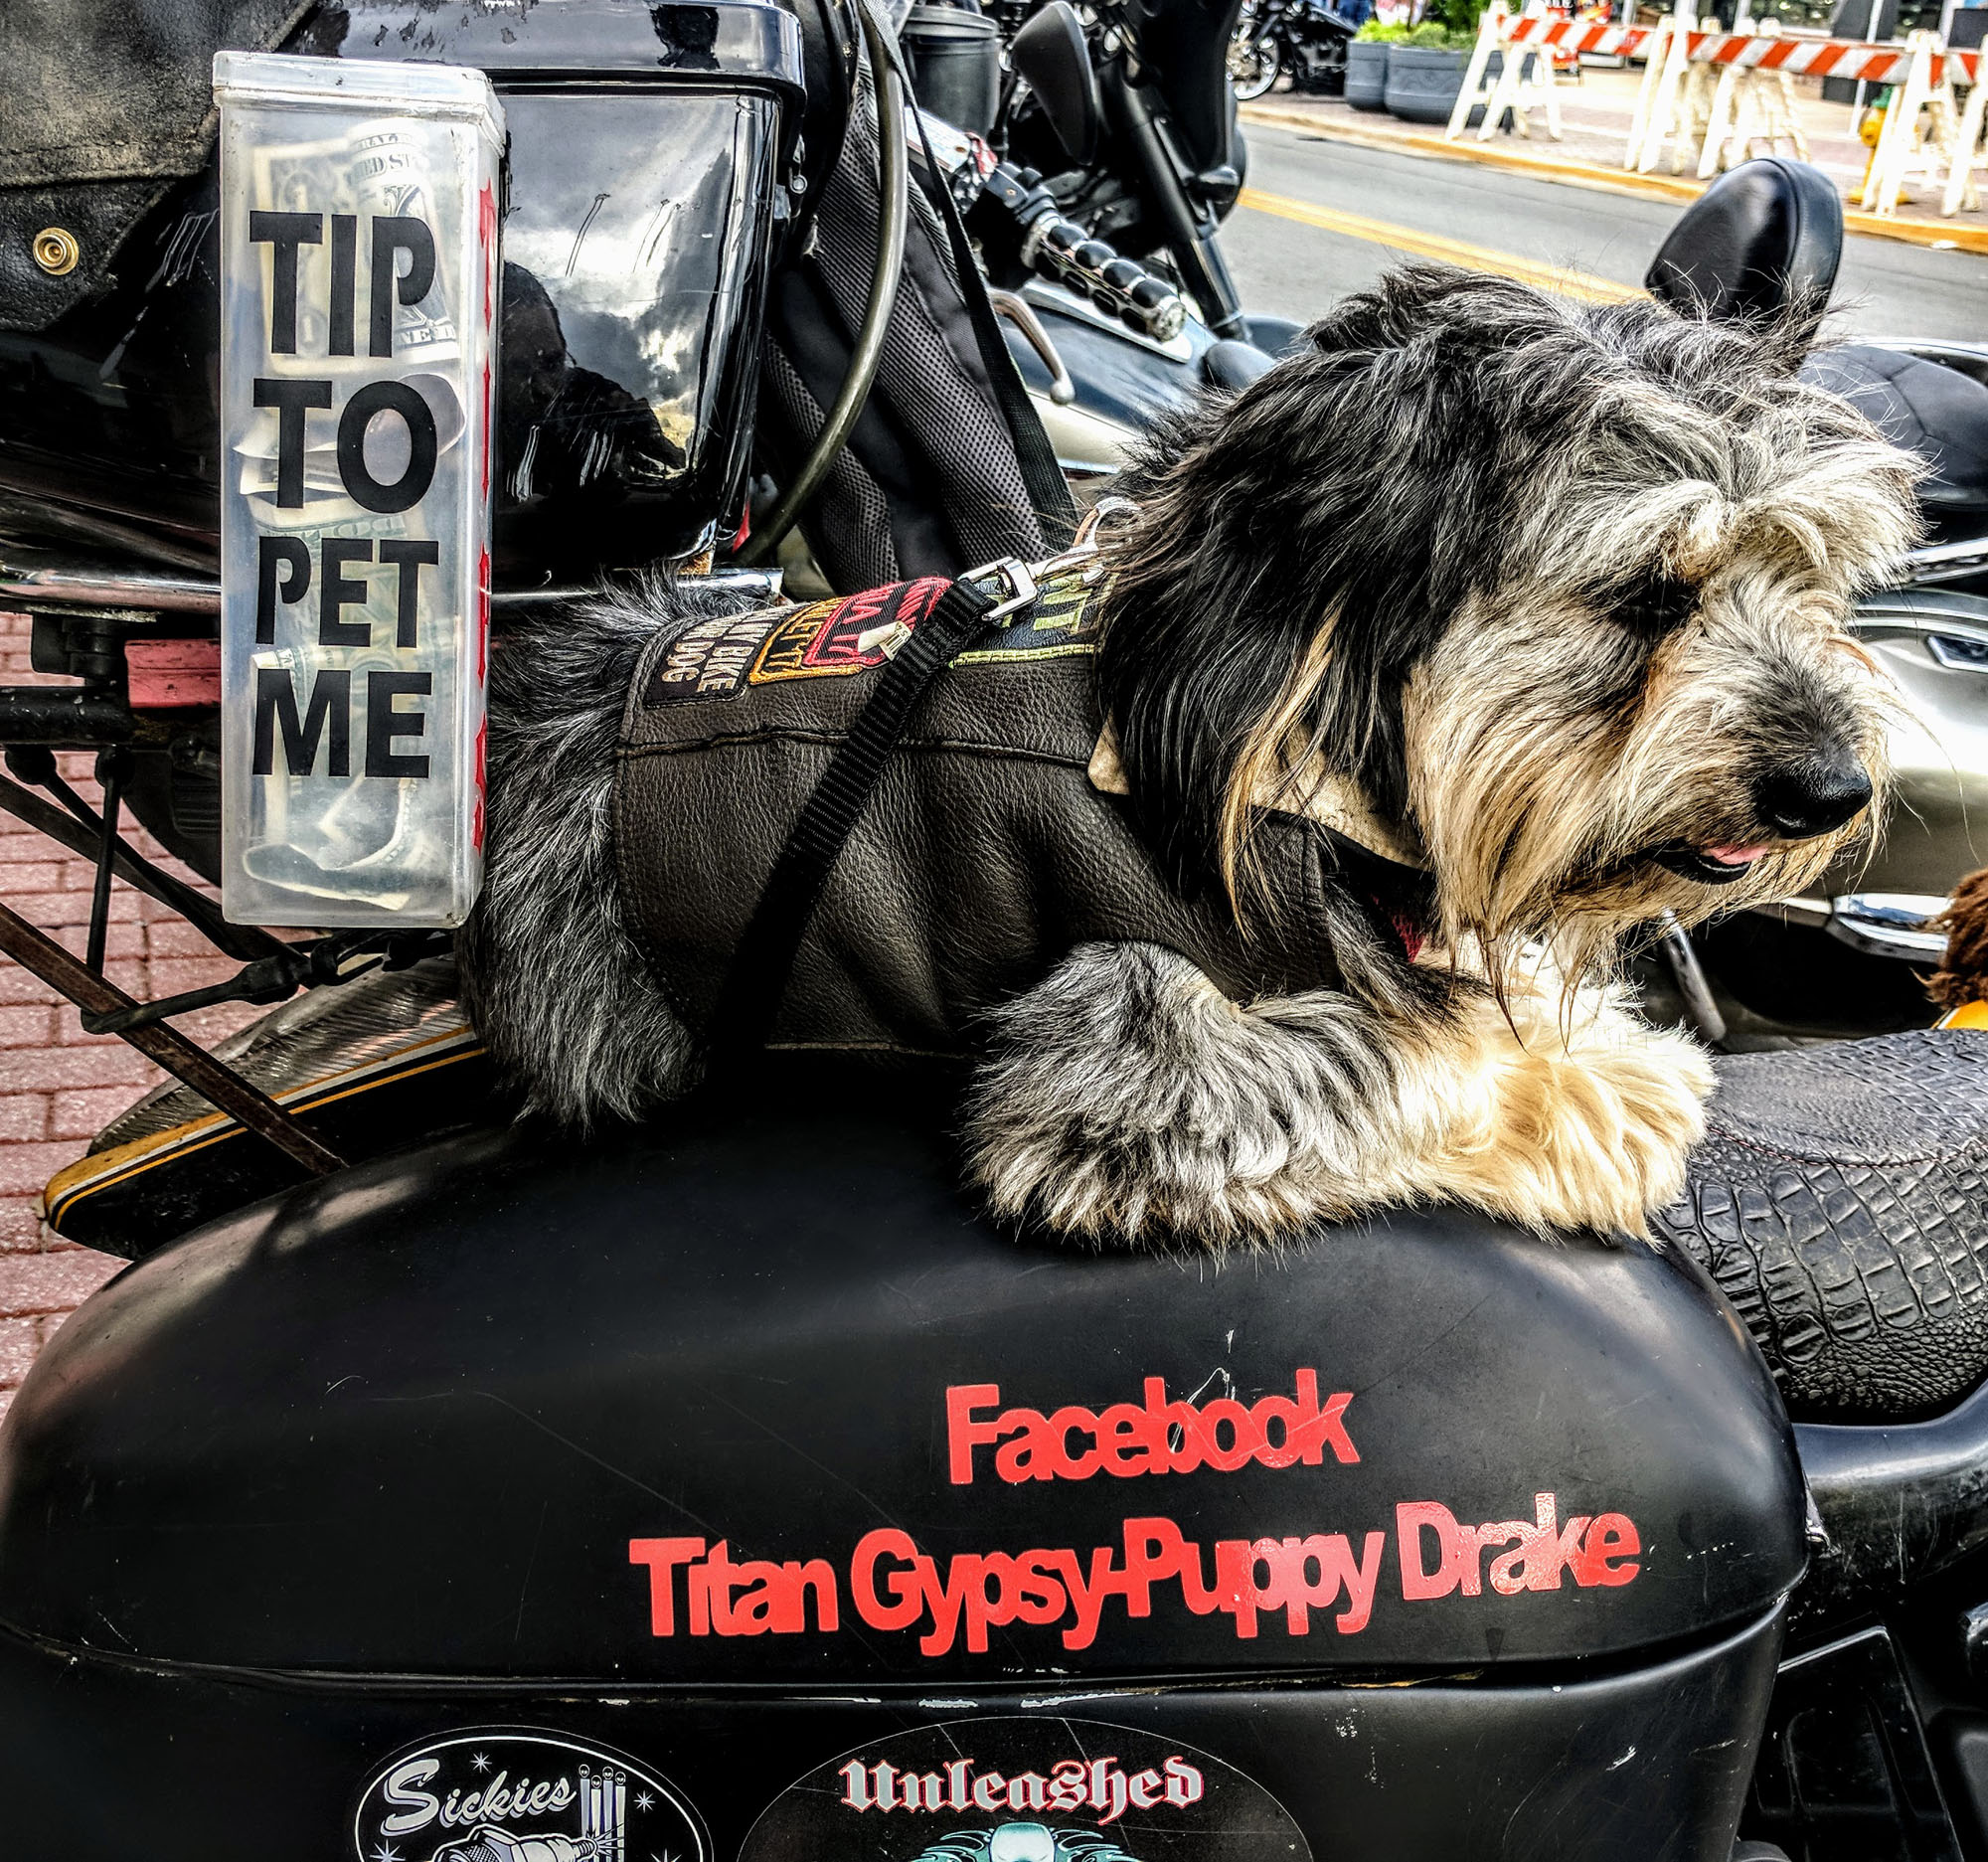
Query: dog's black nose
x=1812 y=796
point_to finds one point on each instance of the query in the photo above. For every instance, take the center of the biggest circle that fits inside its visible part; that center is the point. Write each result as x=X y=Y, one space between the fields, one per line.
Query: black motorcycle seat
x=1235 y=365
x=1929 y=409
x=1768 y=231
x=1840 y=1201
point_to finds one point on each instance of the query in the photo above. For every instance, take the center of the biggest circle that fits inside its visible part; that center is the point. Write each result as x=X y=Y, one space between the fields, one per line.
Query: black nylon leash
x=756 y=983
x=1041 y=476
x=1055 y=510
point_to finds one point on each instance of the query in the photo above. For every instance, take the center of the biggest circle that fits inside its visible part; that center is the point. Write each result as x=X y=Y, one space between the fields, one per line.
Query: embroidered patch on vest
x=1060 y=621
x=710 y=658
x=852 y=634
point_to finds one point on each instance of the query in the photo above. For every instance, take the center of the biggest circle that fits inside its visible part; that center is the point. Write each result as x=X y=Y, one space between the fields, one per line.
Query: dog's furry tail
x=552 y=978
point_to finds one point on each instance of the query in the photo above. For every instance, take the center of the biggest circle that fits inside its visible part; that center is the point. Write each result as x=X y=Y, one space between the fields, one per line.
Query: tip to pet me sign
x=359 y=242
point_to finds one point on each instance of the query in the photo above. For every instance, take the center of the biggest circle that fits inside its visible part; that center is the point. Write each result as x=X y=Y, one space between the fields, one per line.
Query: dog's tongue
x=1734 y=856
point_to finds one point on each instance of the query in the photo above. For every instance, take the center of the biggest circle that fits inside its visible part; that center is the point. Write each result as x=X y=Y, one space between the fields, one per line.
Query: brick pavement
x=58 y=1085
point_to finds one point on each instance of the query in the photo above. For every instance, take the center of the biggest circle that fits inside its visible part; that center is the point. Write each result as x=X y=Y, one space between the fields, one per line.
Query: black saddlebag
x=731 y=1490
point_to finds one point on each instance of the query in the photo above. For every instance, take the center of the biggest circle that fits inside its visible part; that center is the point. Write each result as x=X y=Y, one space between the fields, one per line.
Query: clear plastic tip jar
x=359 y=279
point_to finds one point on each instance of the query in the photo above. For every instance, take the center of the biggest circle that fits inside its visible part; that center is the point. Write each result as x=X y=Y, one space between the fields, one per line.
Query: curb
x=1943 y=234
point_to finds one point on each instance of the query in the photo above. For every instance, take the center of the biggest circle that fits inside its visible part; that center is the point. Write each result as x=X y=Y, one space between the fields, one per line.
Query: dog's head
x=1561 y=590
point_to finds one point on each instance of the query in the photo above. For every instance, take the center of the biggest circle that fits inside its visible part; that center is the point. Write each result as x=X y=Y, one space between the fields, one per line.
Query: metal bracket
x=1890 y=924
x=217 y=1083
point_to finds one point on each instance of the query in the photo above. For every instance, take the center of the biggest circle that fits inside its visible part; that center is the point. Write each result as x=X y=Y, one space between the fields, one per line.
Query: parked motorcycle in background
x=1304 y=40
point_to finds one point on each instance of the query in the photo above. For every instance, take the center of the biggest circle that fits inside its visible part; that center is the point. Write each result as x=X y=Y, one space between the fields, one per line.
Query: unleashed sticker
x=1015 y=1789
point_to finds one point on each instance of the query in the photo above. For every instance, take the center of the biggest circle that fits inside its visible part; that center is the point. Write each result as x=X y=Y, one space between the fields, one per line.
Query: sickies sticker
x=1018 y=1790
x=516 y=1795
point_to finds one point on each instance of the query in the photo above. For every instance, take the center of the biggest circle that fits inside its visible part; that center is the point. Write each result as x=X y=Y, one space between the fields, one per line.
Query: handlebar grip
x=1060 y=250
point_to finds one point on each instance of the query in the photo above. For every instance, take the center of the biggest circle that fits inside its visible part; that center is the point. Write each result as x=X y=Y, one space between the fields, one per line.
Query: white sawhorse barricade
x=1524 y=83
x=1944 y=150
x=1711 y=93
x=1719 y=93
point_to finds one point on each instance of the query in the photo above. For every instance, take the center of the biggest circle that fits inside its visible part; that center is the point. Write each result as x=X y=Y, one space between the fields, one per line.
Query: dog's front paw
x=1588 y=1128
x=1125 y=1099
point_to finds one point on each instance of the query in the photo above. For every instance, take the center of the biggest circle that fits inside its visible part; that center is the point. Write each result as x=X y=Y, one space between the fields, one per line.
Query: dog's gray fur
x=552 y=978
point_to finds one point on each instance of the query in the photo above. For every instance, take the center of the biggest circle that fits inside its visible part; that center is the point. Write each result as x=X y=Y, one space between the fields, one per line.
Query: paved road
x=1288 y=267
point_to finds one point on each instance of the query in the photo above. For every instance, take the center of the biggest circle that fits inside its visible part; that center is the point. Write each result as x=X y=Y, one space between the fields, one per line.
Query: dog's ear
x=1326 y=499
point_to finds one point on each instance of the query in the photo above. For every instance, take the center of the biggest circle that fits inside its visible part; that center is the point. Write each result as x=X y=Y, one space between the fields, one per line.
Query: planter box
x=1366 y=74
x=1423 y=83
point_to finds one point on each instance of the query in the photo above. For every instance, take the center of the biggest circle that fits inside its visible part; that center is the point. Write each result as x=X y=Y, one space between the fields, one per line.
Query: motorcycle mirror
x=1052 y=54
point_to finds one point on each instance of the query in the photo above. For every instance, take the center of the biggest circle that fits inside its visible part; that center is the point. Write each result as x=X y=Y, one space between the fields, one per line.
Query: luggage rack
x=86 y=615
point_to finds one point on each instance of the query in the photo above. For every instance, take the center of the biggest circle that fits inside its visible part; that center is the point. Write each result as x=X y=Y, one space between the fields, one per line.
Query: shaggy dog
x=1520 y=622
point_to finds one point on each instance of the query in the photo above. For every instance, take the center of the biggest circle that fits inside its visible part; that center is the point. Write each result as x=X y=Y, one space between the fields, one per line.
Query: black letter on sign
x=277 y=703
x=393 y=234
x=285 y=232
x=291 y=399
x=290 y=556
x=360 y=484
x=410 y=556
x=336 y=591
x=344 y=279
x=383 y=723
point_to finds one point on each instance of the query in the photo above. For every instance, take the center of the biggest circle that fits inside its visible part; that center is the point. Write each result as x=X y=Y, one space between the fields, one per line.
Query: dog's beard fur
x=1542 y=798
x=1557 y=590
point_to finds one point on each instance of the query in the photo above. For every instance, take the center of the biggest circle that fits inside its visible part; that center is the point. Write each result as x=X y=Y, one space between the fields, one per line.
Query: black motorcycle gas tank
x=755 y=1396
x=105 y=1760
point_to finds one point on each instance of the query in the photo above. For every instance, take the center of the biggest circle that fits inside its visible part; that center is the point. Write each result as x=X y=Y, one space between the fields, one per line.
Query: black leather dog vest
x=983 y=856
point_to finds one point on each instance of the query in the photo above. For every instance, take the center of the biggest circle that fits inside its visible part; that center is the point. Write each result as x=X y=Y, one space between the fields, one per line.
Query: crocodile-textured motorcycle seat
x=1840 y=1200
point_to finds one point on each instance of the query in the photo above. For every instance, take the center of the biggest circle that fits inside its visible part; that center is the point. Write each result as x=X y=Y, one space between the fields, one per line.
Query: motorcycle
x=1127 y=116
x=725 y=1488
x=1304 y=39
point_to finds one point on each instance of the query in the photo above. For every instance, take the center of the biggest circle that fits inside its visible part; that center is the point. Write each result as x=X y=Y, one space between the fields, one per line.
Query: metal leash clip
x=1013 y=573
x=1024 y=580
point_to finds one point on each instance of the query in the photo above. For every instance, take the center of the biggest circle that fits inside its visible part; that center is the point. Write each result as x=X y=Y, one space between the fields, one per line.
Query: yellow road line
x=1558 y=278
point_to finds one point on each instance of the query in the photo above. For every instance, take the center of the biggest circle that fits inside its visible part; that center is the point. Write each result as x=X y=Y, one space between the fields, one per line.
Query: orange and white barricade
x=1920 y=69
x=1524 y=83
x=1750 y=104
x=1927 y=135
